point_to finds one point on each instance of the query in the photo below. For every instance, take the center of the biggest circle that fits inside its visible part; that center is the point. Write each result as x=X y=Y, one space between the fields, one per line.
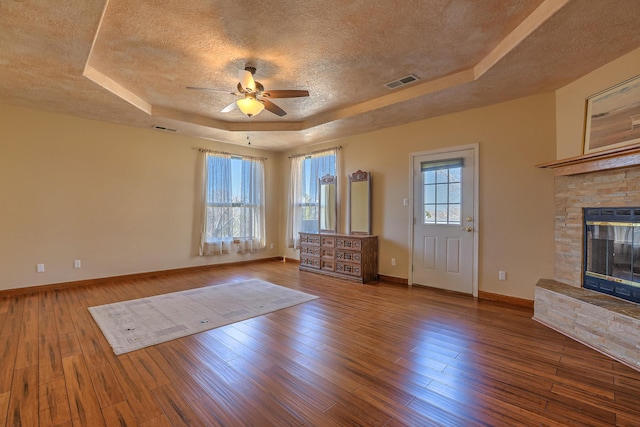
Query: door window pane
x=430 y=214
x=442 y=214
x=442 y=175
x=429 y=177
x=454 y=214
x=442 y=193
x=454 y=174
x=442 y=185
x=429 y=194
x=454 y=193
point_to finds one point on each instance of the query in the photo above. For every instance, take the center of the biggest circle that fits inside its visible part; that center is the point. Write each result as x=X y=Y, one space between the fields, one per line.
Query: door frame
x=476 y=203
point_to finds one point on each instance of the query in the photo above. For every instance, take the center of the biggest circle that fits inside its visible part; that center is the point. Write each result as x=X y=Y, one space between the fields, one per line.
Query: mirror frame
x=323 y=182
x=360 y=176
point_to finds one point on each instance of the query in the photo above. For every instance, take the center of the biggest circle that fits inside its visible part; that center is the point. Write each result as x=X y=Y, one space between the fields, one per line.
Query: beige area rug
x=135 y=324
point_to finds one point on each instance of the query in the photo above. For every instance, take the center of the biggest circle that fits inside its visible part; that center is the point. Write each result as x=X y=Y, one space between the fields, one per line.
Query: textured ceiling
x=130 y=62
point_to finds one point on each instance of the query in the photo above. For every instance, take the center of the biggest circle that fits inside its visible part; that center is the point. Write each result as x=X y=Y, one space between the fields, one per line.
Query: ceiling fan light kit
x=250 y=106
x=250 y=90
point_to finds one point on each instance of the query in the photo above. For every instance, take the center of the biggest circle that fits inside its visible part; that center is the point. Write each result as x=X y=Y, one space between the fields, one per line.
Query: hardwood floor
x=379 y=354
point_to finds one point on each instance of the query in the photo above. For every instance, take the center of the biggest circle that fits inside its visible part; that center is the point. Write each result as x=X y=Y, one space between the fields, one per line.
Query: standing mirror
x=360 y=203
x=328 y=213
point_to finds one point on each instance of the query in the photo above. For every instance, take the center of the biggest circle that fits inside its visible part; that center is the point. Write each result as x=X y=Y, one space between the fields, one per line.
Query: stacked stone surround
x=618 y=187
x=607 y=324
x=602 y=322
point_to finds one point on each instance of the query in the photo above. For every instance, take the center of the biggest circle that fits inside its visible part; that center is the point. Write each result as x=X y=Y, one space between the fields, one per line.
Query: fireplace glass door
x=613 y=251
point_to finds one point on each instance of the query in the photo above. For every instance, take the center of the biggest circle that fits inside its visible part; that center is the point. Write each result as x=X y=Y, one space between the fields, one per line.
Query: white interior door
x=444 y=226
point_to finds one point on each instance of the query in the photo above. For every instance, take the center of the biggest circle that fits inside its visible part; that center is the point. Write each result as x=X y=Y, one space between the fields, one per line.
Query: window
x=441 y=191
x=303 y=194
x=233 y=193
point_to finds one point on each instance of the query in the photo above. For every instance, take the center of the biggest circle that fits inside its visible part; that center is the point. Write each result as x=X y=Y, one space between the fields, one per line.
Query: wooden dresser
x=351 y=257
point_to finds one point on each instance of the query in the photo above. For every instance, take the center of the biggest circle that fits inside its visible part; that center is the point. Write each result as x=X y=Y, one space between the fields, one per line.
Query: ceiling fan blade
x=246 y=81
x=229 y=107
x=212 y=90
x=285 y=93
x=270 y=106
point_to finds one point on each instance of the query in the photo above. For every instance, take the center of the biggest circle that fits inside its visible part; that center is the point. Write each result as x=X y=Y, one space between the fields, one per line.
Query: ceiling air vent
x=401 y=82
x=164 y=129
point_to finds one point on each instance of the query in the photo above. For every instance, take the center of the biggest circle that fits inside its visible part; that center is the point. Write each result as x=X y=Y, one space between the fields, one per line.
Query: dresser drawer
x=310 y=250
x=309 y=261
x=327 y=264
x=348 y=256
x=310 y=239
x=328 y=253
x=329 y=241
x=350 y=269
x=348 y=243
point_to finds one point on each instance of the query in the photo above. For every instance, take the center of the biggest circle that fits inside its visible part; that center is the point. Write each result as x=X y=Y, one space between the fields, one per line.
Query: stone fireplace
x=573 y=193
x=606 y=323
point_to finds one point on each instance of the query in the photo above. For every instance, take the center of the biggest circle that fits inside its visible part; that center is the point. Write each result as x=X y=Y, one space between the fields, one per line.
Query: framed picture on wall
x=613 y=117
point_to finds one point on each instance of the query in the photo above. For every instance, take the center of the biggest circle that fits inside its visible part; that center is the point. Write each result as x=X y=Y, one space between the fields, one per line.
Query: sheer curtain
x=233 y=212
x=306 y=170
x=294 y=217
x=252 y=213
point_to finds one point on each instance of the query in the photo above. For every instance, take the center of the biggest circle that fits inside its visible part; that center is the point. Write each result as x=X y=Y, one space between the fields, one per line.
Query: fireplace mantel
x=593 y=162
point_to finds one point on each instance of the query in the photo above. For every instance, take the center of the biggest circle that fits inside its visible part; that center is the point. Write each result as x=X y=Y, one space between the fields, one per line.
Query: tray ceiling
x=130 y=62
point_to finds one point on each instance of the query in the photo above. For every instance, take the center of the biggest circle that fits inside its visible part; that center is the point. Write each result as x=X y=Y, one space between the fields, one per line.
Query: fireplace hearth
x=612 y=251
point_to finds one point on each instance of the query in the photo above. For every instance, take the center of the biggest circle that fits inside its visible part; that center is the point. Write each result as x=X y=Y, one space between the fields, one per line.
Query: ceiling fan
x=253 y=96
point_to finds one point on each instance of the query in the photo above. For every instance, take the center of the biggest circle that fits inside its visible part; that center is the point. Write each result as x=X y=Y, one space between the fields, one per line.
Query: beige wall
x=118 y=198
x=122 y=199
x=570 y=101
x=516 y=199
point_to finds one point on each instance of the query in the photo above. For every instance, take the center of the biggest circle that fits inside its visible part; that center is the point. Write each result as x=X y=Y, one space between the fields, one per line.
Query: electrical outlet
x=40 y=268
x=271 y=246
x=393 y=261
x=77 y=264
x=502 y=275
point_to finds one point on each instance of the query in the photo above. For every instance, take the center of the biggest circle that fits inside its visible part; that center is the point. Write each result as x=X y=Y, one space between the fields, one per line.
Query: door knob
x=468 y=229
